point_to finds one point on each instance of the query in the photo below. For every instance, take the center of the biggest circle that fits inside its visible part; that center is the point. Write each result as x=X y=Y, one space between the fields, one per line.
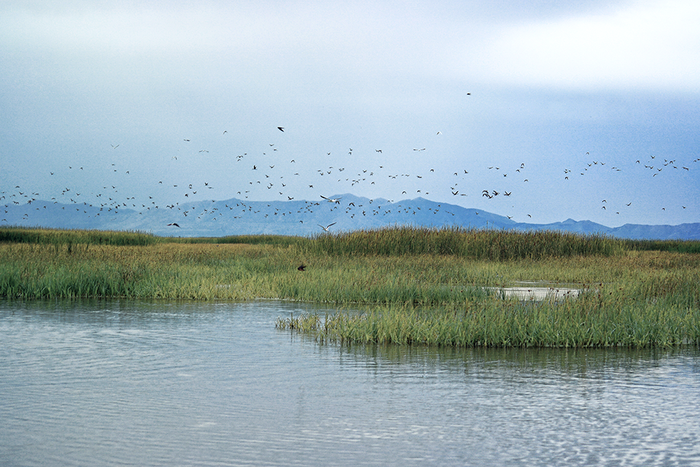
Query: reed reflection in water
x=190 y=383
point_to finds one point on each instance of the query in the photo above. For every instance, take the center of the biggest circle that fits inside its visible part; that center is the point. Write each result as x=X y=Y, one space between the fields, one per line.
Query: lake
x=120 y=382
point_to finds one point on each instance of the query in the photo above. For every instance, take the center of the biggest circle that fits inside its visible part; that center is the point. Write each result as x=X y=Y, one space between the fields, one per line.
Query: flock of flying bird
x=271 y=174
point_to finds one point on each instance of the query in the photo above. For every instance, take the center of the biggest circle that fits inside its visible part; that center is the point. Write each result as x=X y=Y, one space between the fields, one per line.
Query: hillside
x=241 y=217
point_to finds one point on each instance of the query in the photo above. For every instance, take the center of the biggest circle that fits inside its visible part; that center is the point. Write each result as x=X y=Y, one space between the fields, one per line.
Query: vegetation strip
x=418 y=286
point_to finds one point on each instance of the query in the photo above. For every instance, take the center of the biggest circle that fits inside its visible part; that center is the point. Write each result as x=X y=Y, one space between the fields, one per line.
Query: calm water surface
x=179 y=383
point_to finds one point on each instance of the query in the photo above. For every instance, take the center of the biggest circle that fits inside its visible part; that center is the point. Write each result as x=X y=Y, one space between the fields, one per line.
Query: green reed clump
x=67 y=281
x=340 y=292
x=421 y=280
x=276 y=240
x=677 y=246
x=199 y=272
x=44 y=236
x=670 y=287
x=588 y=322
x=498 y=245
x=392 y=241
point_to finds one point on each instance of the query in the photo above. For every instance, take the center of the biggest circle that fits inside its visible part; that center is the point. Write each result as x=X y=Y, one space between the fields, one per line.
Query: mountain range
x=343 y=212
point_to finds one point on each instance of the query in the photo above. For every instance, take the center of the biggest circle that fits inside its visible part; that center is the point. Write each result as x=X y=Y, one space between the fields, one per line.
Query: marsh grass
x=427 y=289
x=676 y=246
x=276 y=240
x=55 y=237
x=494 y=323
x=200 y=272
x=496 y=245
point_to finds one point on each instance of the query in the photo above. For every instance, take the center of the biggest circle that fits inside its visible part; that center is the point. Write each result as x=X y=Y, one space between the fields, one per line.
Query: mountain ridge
x=303 y=217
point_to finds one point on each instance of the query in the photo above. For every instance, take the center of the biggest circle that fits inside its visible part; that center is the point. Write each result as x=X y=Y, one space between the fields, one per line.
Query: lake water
x=120 y=382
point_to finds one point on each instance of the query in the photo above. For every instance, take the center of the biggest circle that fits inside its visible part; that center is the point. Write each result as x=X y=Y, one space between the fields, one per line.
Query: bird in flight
x=325 y=229
x=174 y=224
x=281 y=128
x=332 y=200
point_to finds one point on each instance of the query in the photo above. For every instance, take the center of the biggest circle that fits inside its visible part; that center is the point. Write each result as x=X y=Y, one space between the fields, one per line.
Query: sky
x=537 y=110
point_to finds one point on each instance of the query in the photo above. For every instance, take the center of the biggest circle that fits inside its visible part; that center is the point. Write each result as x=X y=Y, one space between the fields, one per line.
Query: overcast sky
x=587 y=111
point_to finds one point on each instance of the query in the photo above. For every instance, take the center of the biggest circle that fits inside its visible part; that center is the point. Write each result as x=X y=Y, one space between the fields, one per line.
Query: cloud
x=641 y=46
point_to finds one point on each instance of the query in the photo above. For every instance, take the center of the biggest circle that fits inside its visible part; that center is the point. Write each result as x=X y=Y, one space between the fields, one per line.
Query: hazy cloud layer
x=553 y=86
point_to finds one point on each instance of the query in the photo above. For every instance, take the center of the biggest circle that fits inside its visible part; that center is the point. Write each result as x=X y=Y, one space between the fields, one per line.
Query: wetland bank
x=415 y=286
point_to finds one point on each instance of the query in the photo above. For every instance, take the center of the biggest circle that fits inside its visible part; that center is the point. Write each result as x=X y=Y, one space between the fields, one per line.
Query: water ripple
x=188 y=383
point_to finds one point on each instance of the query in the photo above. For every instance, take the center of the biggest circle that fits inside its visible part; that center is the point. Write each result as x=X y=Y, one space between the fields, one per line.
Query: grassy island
x=415 y=285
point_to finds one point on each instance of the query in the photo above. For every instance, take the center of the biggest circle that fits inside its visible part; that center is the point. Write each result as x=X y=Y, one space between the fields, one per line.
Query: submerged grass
x=420 y=286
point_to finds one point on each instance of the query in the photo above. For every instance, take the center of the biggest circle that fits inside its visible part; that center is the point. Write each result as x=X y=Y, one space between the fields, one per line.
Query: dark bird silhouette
x=281 y=128
x=174 y=224
x=302 y=267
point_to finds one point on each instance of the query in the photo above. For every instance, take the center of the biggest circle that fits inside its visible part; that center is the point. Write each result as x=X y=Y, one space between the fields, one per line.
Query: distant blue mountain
x=350 y=212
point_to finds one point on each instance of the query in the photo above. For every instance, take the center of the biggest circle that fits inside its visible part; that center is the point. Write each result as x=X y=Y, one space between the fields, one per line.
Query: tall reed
x=474 y=243
x=493 y=323
x=65 y=236
x=678 y=246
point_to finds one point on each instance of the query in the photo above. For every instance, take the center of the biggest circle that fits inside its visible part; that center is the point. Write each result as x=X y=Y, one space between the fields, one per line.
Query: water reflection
x=584 y=407
x=190 y=383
